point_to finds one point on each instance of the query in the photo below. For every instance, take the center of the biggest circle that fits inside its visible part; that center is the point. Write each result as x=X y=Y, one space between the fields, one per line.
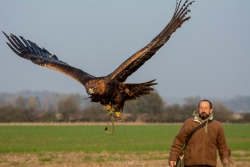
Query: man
x=201 y=150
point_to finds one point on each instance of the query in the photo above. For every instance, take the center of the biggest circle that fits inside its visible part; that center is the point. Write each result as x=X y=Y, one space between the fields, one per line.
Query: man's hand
x=172 y=163
x=226 y=162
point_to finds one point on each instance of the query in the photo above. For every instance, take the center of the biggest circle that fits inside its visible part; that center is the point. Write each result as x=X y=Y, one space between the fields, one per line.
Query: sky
x=209 y=56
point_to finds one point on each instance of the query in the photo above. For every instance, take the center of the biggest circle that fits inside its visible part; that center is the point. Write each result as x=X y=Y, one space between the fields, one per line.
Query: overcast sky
x=209 y=56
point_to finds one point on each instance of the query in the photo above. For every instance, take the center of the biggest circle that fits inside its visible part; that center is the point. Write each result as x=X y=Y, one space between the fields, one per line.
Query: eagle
x=110 y=90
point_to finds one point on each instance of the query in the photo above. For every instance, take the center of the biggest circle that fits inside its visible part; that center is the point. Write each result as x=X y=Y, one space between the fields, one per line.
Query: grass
x=92 y=138
x=238 y=136
x=47 y=145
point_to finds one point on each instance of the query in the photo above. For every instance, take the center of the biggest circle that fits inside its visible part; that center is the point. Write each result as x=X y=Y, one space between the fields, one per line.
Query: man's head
x=205 y=108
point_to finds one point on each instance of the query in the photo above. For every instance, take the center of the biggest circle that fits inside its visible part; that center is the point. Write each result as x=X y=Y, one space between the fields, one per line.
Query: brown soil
x=103 y=159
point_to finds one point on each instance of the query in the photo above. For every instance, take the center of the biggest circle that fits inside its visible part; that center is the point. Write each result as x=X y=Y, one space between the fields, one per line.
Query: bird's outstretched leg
x=115 y=115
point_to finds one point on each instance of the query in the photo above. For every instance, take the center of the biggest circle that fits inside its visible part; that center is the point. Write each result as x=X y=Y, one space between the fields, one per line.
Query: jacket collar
x=198 y=119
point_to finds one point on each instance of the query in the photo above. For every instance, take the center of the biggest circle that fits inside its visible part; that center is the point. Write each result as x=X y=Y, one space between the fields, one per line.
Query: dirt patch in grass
x=103 y=159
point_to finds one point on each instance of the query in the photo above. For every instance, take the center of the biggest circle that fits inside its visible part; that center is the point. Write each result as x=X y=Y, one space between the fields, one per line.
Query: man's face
x=204 y=110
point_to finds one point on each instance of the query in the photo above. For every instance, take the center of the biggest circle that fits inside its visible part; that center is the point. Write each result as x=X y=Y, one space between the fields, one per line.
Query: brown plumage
x=109 y=90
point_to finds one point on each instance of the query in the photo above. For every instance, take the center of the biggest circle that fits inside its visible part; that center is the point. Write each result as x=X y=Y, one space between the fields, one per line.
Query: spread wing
x=30 y=51
x=139 y=58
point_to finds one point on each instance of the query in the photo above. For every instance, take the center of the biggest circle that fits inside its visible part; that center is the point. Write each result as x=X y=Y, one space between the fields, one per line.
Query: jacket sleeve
x=224 y=152
x=179 y=142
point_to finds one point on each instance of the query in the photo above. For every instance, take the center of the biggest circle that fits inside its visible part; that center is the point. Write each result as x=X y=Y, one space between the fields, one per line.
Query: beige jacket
x=203 y=145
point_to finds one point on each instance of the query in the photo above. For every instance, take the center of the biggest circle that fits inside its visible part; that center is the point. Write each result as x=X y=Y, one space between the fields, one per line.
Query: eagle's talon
x=108 y=107
x=118 y=113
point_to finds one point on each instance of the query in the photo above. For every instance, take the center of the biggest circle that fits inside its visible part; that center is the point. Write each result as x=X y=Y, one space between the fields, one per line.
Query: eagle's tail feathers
x=139 y=89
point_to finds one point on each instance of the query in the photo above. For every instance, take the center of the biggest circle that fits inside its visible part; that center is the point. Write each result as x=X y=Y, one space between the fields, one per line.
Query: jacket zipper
x=204 y=144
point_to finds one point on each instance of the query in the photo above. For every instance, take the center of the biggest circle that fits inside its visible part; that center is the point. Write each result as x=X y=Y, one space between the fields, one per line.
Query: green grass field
x=48 y=145
x=92 y=138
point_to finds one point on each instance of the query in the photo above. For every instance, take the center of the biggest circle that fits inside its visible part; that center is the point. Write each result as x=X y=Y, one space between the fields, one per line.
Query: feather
x=30 y=51
x=139 y=58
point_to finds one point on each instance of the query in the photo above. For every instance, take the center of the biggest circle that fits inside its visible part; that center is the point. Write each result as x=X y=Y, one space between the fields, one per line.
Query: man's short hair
x=210 y=103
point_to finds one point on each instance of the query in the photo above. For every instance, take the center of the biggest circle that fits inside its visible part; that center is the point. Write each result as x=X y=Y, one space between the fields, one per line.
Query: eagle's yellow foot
x=118 y=113
x=113 y=111
x=114 y=116
x=108 y=106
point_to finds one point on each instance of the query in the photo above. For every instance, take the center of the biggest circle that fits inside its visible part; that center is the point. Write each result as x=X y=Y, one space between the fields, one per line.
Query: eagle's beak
x=91 y=91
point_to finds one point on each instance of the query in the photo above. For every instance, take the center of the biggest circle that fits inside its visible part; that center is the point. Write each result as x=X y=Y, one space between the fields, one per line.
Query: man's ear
x=211 y=110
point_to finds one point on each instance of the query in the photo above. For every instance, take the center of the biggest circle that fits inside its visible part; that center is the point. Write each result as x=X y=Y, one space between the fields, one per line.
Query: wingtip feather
x=4 y=33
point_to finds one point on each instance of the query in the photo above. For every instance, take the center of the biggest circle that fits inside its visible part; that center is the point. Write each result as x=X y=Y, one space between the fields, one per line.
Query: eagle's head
x=95 y=87
x=91 y=90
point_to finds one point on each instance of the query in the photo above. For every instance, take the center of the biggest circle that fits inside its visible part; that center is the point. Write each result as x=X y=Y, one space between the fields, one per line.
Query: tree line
x=72 y=108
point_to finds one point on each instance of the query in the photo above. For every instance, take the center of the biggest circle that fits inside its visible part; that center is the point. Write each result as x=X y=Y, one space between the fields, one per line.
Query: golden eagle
x=110 y=90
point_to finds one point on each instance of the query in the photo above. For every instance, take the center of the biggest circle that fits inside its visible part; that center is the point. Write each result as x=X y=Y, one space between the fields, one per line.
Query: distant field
x=88 y=138
x=92 y=138
x=128 y=140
